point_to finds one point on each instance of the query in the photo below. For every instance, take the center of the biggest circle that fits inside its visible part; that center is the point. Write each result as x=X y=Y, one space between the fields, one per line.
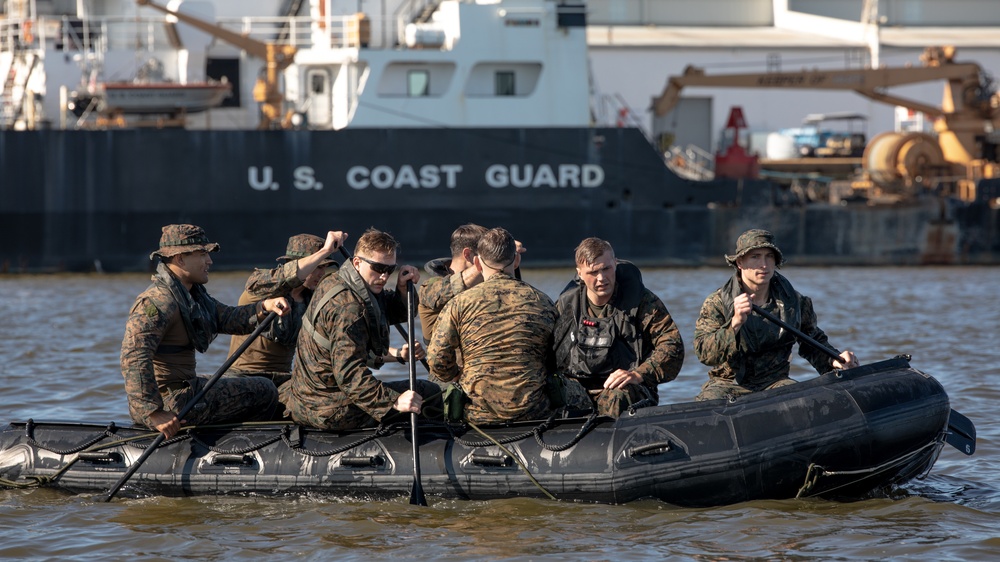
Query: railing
x=690 y=162
x=149 y=34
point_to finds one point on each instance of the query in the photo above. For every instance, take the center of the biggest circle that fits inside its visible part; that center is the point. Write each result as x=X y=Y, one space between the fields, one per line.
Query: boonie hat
x=181 y=239
x=302 y=245
x=753 y=240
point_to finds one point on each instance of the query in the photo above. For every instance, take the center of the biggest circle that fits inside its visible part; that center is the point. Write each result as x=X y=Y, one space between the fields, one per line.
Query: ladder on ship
x=15 y=87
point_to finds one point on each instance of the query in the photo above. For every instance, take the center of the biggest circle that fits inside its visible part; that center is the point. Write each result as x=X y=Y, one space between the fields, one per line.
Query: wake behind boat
x=844 y=435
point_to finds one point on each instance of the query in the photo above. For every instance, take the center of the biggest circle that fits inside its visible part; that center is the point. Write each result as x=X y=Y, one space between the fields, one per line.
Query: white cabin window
x=503 y=83
x=418 y=83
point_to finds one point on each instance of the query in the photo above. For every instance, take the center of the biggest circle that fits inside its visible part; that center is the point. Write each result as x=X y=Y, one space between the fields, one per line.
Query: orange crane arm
x=252 y=46
x=867 y=82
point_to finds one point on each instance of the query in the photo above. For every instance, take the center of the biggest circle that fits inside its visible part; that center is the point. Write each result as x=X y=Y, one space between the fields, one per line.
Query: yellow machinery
x=896 y=162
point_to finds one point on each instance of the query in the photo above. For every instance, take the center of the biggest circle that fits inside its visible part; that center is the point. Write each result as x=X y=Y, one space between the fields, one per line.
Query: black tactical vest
x=592 y=348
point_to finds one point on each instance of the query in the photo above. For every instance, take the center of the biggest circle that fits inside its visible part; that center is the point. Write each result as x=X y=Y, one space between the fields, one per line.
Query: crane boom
x=276 y=57
x=968 y=109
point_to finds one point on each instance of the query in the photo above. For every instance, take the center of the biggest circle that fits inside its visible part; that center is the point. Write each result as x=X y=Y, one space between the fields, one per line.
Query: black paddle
x=417 y=491
x=190 y=405
x=961 y=431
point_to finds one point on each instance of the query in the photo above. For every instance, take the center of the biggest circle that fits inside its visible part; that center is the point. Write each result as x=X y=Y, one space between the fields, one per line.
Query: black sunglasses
x=380 y=268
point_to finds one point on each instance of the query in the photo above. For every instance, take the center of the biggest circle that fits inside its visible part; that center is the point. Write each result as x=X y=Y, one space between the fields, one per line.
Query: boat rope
x=296 y=444
x=815 y=472
x=588 y=425
x=516 y=460
x=535 y=432
x=29 y=434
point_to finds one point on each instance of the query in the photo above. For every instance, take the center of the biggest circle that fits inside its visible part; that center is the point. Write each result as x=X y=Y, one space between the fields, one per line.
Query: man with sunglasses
x=345 y=334
x=503 y=327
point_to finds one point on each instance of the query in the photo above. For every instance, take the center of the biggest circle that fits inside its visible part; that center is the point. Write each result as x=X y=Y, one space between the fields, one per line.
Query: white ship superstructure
x=394 y=63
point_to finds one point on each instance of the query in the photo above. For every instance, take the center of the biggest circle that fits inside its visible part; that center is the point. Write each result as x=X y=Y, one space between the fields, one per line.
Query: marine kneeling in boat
x=171 y=320
x=304 y=264
x=345 y=334
x=614 y=336
x=503 y=327
x=748 y=353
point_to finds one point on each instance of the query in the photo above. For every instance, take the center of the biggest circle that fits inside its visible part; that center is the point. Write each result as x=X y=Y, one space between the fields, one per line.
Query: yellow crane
x=969 y=110
x=267 y=90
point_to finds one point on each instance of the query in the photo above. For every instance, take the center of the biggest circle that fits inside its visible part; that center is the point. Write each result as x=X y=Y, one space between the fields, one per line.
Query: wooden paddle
x=191 y=404
x=417 y=491
x=961 y=431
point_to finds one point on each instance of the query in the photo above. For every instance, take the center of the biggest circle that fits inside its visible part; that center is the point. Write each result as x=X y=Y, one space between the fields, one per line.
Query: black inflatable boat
x=842 y=435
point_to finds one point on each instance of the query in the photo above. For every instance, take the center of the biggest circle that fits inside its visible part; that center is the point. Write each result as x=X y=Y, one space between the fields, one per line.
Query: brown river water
x=60 y=337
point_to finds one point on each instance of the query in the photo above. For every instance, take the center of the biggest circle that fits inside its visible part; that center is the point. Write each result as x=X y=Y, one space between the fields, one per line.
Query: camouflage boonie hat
x=302 y=245
x=753 y=240
x=181 y=239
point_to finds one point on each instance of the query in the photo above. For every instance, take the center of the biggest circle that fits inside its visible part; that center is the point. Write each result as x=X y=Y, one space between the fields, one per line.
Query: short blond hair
x=374 y=241
x=591 y=249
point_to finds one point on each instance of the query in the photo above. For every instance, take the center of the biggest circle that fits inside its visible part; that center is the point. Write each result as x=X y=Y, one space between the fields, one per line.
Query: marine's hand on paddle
x=409 y=401
x=847 y=361
x=741 y=310
x=334 y=240
x=278 y=306
x=418 y=351
x=165 y=422
x=407 y=273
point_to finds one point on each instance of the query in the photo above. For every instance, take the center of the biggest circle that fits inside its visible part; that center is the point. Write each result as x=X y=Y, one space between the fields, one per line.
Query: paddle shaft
x=191 y=404
x=417 y=491
x=798 y=333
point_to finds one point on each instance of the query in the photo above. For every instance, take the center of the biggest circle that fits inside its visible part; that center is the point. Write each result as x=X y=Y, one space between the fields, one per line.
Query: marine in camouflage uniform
x=452 y=276
x=168 y=323
x=503 y=328
x=345 y=334
x=755 y=356
x=302 y=267
x=621 y=350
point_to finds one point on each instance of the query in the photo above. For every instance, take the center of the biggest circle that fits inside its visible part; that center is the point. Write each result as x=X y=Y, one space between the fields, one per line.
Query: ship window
x=318 y=83
x=503 y=83
x=418 y=83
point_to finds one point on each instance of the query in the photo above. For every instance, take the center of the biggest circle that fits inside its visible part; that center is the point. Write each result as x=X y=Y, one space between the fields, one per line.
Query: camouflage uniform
x=434 y=295
x=504 y=330
x=272 y=353
x=756 y=358
x=657 y=348
x=158 y=350
x=332 y=384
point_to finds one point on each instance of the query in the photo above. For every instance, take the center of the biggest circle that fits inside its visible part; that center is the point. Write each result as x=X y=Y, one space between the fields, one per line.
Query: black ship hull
x=80 y=200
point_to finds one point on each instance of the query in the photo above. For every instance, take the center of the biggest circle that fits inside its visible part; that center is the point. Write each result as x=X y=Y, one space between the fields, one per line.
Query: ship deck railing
x=101 y=34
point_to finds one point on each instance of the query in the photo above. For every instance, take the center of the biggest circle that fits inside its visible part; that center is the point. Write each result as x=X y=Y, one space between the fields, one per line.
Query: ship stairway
x=15 y=84
x=289 y=10
x=690 y=162
x=424 y=13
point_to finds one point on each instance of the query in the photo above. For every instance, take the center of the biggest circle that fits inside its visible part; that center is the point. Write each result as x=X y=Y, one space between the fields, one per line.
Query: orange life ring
x=26 y=33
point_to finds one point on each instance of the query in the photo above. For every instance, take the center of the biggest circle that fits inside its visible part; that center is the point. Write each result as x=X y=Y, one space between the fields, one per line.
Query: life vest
x=592 y=348
x=378 y=332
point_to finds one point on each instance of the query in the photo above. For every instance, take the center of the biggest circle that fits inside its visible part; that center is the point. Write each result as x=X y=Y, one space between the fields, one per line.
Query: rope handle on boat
x=292 y=437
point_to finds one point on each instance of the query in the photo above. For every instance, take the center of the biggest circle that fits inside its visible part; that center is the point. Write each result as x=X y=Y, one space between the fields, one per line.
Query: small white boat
x=147 y=98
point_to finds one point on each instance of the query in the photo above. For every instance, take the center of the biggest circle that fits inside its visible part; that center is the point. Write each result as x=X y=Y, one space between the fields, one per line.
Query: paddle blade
x=417 y=494
x=961 y=433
